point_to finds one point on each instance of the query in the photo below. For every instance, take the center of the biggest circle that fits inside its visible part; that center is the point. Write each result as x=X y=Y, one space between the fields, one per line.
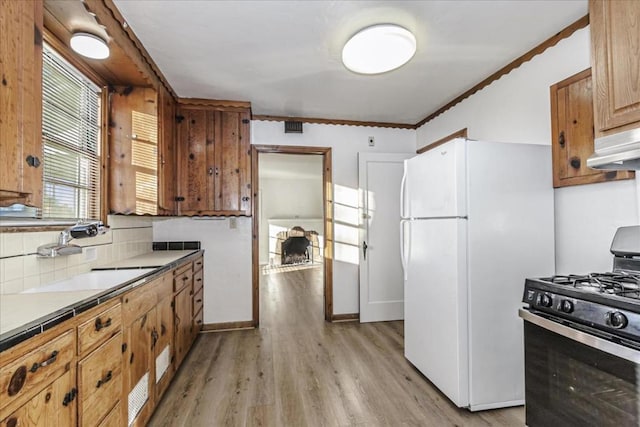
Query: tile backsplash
x=21 y=268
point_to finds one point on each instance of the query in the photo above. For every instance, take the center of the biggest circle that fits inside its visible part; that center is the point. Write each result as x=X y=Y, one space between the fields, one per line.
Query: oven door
x=574 y=378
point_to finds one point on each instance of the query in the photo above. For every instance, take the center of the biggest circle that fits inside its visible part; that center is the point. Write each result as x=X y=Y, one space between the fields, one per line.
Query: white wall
x=227 y=262
x=516 y=108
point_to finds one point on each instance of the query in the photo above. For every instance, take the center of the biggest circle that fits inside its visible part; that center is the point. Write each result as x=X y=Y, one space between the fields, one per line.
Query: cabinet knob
x=33 y=161
x=575 y=162
x=245 y=199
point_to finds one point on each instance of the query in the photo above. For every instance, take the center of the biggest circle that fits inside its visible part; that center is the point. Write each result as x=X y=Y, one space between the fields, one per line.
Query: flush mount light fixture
x=378 y=49
x=89 y=45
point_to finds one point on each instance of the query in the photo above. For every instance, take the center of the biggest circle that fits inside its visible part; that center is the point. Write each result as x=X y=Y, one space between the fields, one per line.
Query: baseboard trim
x=227 y=326
x=346 y=317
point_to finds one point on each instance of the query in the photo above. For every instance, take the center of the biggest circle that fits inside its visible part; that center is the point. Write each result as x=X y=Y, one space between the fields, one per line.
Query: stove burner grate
x=621 y=283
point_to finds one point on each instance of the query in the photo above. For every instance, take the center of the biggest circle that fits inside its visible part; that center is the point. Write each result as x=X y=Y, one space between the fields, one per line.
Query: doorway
x=274 y=228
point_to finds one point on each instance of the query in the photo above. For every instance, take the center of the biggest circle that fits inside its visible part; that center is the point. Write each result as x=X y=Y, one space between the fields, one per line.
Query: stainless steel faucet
x=77 y=231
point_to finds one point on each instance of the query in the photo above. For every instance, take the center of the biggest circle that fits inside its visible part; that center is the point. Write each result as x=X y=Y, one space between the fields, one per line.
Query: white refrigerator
x=477 y=219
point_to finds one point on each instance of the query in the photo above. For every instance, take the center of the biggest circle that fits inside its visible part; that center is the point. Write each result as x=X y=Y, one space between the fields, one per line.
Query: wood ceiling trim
x=214 y=103
x=107 y=14
x=462 y=133
x=551 y=41
x=332 y=121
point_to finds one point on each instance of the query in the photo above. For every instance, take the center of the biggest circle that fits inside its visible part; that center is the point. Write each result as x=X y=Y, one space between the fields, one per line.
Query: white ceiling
x=290 y=166
x=284 y=56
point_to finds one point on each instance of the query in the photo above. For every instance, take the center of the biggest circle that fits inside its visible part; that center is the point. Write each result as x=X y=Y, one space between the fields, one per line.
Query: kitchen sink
x=93 y=280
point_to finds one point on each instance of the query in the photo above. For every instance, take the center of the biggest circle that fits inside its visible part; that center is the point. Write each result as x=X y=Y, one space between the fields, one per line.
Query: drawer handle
x=47 y=362
x=104 y=380
x=100 y=325
x=185 y=278
x=190 y=292
x=68 y=398
x=199 y=263
x=199 y=279
x=199 y=300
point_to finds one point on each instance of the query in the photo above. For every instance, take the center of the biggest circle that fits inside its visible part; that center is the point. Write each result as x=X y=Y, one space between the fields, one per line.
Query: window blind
x=71 y=141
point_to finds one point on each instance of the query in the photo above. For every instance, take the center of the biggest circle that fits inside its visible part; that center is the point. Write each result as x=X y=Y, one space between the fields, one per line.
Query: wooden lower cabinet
x=100 y=382
x=183 y=325
x=53 y=406
x=110 y=365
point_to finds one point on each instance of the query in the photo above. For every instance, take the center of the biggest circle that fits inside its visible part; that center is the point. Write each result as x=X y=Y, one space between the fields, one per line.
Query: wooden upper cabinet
x=167 y=153
x=615 y=59
x=133 y=151
x=21 y=102
x=214 y=166
x=572 y=133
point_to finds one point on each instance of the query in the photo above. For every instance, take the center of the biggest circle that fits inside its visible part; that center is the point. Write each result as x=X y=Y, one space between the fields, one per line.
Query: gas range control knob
x=566 y=306
x=546 y=300
x=616 y=319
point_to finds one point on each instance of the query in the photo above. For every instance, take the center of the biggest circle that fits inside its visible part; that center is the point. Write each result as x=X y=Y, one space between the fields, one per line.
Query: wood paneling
x=615 y=59
x=167 y=153
x=21 y=102
x=133 y=149
x=462 y=133
x=214 y=161
x=572 y=133
x=551 y=41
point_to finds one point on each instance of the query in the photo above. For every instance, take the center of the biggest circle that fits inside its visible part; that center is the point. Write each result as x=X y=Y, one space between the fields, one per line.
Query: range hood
x=619 y=151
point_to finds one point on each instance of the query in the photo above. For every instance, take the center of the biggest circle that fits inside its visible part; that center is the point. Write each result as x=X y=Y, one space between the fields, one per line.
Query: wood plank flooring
x=297 y=370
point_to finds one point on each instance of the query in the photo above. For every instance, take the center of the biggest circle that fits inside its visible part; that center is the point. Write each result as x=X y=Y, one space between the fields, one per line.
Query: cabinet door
x=197 y=169
x=133 y=151
x=167 y=152
x=163 y=346
x=139 y=373
x=183 y=323
x=615 y=56
x=54 y=406
x=21 y=104
x=572 y=133
x=232 y=178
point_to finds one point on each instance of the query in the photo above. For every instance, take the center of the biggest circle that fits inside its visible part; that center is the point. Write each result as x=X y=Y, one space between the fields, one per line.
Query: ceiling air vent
x=292 y=127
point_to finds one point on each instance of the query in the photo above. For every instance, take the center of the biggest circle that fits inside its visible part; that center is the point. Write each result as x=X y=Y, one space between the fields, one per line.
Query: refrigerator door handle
x=403 y=258
x=402 y=185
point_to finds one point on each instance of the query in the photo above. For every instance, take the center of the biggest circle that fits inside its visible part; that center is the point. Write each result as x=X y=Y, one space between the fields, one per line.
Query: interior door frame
x=327 y=192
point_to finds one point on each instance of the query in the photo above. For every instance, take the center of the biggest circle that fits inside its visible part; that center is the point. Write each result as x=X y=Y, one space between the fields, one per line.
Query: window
x=71 y=141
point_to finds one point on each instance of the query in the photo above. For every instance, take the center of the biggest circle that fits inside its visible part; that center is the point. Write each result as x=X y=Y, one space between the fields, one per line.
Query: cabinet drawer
x=182 y=280
x=54 y=406
x=197 y=323
x=183 y=268
x=198 y=301
x=198 y=281
x=163 y=286
x=197 y=264
x=100 y=381
x=99 y=328
x=113 y=419
x=27 y=375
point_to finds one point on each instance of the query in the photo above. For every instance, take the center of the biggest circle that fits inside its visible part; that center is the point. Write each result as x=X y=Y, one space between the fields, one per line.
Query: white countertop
x=18 y=310
x=150 y=259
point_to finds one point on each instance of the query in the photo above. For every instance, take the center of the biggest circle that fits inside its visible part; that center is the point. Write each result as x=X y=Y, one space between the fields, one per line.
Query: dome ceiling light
x=89 y=45
x=378 y=49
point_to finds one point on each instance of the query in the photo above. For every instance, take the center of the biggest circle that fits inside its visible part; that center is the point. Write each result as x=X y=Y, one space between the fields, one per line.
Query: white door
x=381 y=276
x=435 y=324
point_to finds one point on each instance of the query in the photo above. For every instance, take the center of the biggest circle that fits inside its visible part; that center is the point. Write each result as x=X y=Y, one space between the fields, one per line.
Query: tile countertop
x=27 y=314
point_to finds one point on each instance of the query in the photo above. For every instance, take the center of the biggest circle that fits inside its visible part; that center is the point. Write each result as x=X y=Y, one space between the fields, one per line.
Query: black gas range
x=582 y=343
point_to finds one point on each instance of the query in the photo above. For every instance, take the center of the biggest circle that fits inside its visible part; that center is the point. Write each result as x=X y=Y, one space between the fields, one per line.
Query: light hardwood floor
x=297 y=370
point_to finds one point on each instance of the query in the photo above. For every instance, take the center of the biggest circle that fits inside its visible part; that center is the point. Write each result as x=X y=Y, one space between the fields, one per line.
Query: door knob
x=364 y=249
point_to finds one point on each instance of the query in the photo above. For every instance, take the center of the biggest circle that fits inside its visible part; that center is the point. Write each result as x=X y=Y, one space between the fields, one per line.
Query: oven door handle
x=582 y=337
